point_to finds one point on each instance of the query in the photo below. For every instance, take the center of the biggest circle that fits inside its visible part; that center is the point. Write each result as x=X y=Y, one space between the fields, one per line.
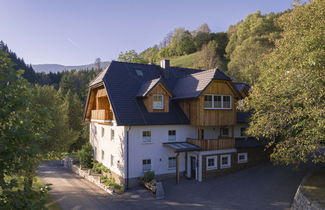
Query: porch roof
x=182 y=146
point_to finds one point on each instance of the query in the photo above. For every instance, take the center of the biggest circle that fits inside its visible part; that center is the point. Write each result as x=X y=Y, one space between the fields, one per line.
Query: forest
x=282 y=55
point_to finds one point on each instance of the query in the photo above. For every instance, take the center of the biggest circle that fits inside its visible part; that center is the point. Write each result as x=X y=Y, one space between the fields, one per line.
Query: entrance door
x=193 y=167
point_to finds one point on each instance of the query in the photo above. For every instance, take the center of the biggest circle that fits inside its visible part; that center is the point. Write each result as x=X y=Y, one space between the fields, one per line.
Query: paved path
x=262 y=187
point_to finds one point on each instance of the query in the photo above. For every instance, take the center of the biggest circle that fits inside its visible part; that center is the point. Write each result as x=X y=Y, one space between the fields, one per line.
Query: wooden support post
x=232 y=131
x=177 y=168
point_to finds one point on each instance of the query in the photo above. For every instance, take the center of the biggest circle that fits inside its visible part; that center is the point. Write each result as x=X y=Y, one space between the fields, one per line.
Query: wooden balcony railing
x=213 y=144
x=101 y=114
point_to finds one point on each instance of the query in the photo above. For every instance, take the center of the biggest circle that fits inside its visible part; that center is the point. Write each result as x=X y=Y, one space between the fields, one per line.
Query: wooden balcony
x=101 y=114
x=213 y=144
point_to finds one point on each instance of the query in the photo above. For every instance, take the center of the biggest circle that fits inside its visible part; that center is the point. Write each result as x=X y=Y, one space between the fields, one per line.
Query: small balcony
x=213 y=144
x=101 y=115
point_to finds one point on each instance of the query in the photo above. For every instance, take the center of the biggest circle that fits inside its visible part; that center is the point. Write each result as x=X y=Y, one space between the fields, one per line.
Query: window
x=103 y=155
x=112 y=160
x=225 y=161
x=212 y=162
x=217 y=102
x=146 y=136
x=208 y=101
x=224 y=131
x=242 y=131
x=171 y=162
x=226 y=102
x=158 y=101
x=103 y=132
x=112 y=134
x=146 y=165
x=242 y=158
x=172 y=135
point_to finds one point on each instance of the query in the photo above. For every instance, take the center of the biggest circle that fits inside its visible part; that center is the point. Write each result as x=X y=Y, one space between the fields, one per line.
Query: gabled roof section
x=123 y=84
x=99 y=78
x=149 y=85
x=192 y=85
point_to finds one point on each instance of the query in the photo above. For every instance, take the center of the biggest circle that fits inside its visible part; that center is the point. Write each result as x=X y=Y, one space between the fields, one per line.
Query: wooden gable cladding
x=198 y=116
x=148 y=100
x=98 y=105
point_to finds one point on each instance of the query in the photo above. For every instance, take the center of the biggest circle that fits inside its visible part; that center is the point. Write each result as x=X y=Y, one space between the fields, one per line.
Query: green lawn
x=186 y=61
x=314 y=187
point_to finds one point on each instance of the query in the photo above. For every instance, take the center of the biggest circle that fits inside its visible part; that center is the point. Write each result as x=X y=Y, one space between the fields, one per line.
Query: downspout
x=127 y=157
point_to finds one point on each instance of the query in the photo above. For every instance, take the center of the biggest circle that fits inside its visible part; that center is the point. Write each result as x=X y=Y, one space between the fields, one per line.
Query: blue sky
x=78 y=31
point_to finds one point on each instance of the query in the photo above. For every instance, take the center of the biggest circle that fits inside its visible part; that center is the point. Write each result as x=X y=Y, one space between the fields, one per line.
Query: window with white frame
x=212 y=101
x=103 y=132
x=146 y=165
x=146 y=136
x=158 y=101
x=103 y=155
x=171 y=162
x=112 y=134
x=225 y=131
x=172 y=135
x=242 y=158
x=112 y=160
x=225 y=161
x=212 y=162
x=242 y=131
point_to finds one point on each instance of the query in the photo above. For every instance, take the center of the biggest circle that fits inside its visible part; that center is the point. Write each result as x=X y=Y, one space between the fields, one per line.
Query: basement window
x=225 y=161
x=212 y=162
x=242 y=158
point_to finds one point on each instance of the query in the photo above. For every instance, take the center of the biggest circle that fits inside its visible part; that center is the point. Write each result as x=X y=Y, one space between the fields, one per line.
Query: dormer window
x=158 y=101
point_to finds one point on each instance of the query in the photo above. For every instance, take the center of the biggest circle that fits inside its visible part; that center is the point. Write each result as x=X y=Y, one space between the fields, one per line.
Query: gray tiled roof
x=147 y=86
x=125 y=84
x=192 y=85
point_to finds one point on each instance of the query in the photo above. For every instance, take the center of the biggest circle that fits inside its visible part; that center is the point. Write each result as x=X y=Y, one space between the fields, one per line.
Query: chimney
x=164 y=64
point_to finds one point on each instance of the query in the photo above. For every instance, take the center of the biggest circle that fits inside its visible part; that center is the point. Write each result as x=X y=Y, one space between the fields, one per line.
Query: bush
x=108 y=181
x=99 y=168
x=86 y=156
x=148 y=176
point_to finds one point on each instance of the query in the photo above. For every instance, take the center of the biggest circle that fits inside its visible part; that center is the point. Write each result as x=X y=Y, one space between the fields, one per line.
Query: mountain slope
x=46 y=68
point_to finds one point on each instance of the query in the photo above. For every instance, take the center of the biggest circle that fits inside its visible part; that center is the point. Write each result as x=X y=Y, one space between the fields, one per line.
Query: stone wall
x=301 y=202
x=85 y=173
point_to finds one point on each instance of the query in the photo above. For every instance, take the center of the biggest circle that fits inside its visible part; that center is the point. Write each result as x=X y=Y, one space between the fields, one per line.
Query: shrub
x=99 y=168
x=86 y=156
x=148 y=176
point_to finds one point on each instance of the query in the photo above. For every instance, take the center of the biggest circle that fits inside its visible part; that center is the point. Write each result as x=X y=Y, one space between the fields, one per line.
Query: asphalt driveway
x=261 y=187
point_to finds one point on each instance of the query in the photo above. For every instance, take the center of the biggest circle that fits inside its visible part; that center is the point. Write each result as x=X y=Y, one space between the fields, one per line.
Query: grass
x=186 y=61
x=314 y=187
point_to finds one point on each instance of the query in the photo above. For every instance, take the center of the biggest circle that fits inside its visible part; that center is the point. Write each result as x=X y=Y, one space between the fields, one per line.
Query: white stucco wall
x=114 y=147
x=155 y=150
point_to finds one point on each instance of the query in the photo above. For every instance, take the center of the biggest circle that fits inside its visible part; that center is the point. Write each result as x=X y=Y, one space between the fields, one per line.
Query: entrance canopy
x=182 y=146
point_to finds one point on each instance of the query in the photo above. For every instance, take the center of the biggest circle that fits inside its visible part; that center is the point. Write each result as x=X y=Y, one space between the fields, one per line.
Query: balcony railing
x=101 y=114
x=213 y=144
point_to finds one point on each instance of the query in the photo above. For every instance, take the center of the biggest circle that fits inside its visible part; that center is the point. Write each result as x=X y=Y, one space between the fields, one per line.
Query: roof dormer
x=155 y=96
